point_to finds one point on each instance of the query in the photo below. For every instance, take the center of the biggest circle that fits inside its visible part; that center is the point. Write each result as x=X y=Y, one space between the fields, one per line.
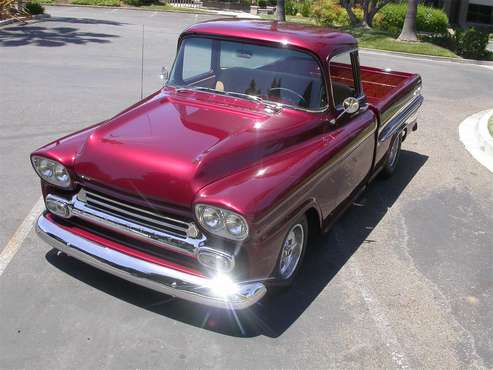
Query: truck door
x=350 y=138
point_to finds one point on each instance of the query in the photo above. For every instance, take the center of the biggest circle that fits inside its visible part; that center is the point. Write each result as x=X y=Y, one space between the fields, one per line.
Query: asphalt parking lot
x=404 y=279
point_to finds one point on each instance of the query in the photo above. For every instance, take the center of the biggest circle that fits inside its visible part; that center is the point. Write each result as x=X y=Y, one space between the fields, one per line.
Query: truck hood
x=170 y=145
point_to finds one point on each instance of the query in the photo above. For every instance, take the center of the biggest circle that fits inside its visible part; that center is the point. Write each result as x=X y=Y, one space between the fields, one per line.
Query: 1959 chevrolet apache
x=209 y=188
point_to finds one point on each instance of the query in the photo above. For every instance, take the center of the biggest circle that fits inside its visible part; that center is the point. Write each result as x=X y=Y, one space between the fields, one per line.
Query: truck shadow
x=43 y=34
x=275 y=314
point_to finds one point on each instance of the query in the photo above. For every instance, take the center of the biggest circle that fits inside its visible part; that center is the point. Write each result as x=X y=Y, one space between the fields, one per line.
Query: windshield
x=272 y=74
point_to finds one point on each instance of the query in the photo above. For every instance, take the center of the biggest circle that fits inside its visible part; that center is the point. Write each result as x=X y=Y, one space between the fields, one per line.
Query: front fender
x=268 y=194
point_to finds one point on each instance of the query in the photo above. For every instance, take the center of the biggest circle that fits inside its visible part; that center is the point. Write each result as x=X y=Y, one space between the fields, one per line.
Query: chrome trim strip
x=399 y=119
x=319 y=174
x=156 y=277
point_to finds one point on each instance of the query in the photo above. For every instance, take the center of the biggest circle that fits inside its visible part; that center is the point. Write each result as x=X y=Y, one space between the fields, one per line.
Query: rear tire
x=392 y=157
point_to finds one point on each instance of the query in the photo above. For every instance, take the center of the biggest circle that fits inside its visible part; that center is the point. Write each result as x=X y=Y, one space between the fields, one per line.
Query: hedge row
x=428 y=19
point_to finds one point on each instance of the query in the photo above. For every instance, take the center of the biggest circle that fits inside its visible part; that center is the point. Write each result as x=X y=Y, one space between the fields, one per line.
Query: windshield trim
x=323 y=71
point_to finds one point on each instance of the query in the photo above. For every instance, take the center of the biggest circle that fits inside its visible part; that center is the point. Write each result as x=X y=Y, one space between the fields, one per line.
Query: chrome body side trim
x=400 y=119
x=207 y=291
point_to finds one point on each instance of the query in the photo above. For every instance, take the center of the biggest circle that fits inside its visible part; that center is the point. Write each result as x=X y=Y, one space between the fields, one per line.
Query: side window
x=342 y=78
x=197 y=56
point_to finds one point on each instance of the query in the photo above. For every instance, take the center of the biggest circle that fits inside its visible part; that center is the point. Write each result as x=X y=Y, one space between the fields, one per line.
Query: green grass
x=372 y=39
x=45 y=1
x=490 y=125
x=382 y=41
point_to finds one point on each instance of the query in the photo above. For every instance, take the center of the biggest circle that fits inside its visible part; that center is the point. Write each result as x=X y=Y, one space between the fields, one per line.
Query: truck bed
x=383 y=87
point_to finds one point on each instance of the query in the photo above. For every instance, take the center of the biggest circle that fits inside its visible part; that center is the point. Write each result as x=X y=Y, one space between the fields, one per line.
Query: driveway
x=404 y=279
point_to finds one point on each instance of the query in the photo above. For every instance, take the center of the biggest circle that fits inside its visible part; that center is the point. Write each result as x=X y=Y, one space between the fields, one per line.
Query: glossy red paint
x=178 y=148
x=322 y=41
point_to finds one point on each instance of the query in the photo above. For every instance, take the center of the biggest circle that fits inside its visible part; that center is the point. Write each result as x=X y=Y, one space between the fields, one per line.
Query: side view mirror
x=164 y=75
x=350 y=105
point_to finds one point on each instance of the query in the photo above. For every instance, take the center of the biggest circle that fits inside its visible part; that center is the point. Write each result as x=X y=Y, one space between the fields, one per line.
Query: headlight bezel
x=38 y=161
x=222 y=230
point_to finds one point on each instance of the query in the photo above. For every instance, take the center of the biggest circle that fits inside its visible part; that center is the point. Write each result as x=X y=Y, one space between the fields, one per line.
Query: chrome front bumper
x=218 y=292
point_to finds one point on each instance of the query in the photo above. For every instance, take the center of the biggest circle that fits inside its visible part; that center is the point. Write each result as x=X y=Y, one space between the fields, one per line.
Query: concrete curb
x=25 y=19
x=430 y=57
x=475 y=136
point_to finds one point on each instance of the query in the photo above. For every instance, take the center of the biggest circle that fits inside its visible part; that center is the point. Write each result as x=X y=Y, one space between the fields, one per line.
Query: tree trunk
x=366 y=21
x=346 y=4
x=281 y=11
x=408 y=32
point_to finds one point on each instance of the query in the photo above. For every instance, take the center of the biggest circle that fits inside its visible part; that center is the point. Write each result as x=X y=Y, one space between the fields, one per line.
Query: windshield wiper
x=258 y=99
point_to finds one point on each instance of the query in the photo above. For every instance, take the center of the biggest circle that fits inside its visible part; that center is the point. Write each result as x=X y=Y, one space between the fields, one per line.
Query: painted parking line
x=377 y=312
x=20 y=235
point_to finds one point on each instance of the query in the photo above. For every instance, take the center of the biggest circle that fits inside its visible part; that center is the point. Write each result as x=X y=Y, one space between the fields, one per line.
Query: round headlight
x=221 y=222
x=211 y=217
x=235 y=225
x=61 y=173
x=45 y=168
x=51 y=171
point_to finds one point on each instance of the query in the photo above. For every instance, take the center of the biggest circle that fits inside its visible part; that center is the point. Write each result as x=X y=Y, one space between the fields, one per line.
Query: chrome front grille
x=135 y=214
x=144 y=224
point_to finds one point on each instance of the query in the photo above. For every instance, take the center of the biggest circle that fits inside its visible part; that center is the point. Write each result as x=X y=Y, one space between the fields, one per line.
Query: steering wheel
x=291 y=92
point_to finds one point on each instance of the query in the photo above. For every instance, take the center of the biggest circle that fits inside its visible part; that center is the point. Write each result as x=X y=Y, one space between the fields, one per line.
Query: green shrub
x=34 y=8
x=138 y=2
x=446 y=41
x=330 y=13
x=271 y=2
x=305 y=8
x=327 y=13
x=290 y=7
x=471 y=43
x=262 y=3
x=97 y=2
x=428 y=19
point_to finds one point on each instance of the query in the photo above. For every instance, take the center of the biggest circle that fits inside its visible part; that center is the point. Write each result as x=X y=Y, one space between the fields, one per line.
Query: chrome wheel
x=393 y=152
x=291 y=251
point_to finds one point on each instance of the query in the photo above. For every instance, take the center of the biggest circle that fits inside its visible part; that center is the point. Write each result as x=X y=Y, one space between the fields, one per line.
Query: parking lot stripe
x=20 y=234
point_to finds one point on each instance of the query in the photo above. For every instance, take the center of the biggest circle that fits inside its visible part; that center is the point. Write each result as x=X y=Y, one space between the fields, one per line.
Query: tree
x=281 y=11
x=370 y=8
x=408 y=32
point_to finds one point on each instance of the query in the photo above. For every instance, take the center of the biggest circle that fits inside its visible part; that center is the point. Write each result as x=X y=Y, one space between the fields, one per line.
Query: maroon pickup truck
x=209 y=189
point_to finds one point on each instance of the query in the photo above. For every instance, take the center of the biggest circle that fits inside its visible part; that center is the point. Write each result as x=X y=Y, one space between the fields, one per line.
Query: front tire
x=292 y=253
x=392 y=157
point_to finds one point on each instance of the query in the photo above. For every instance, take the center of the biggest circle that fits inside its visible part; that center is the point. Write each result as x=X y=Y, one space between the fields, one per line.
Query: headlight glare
x=51 y=171
x=221 y=222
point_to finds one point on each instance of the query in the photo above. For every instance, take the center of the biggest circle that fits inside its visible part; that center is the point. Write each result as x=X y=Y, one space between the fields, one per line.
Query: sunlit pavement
x=404 y=279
